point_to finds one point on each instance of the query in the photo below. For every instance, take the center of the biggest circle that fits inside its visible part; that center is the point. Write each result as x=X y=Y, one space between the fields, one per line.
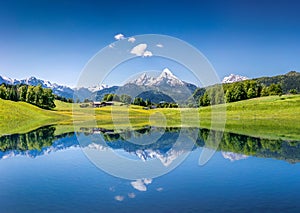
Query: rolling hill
x=19 y=117
x=288 y=81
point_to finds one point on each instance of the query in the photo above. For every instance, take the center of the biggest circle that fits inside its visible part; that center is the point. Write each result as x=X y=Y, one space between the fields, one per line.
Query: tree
x=239 y=92
x=228 y=95
x=22 y=92
x=70 y=100
x=108 y=97
x=293 y=91
x=251 y=93
x=116 y=97
x=204 y=100
x=38 y=93
x=264 y=91
x=126 y=99
x=3 y=92
x=254 y=87
x=30 y=94
x=148 y=102
x=139 y=101
x=275 y=89
x=47 y=99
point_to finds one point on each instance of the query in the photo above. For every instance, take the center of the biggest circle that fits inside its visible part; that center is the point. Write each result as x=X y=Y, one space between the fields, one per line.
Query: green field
x=269 y=117
x=21 y=117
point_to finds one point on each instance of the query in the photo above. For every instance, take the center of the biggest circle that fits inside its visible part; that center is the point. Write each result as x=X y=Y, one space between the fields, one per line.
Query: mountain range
x=165 y=78
x=57 y=89
x=143 y=83
x=165 y=87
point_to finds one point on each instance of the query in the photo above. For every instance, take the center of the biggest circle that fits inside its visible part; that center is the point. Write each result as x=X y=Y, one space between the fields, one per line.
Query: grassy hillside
x=20 y=117
x=269 y=117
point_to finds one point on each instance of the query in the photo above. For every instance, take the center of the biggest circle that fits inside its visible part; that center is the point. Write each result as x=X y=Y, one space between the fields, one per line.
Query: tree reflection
x=229 y=142
x=34 y=140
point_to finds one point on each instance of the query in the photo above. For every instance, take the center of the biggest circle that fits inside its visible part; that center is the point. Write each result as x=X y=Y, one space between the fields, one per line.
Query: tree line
x=237 y=91
x=36 y=95
x=247 y=145
x=212 y=95
x=34 y=140
x=126 y=99
x=64 y=99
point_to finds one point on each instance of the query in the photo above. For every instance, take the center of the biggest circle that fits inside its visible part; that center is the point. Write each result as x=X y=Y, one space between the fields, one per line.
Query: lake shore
x=267 y=117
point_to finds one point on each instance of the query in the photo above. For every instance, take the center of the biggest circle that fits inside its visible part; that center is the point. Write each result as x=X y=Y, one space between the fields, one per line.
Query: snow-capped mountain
x=165 y=78
x=92 y=88
x=57 y=89
x=165 y=158
x=165 y=87
x=233 y=78
x=97 y=87
x=143 y=80
x=166 y=82
x=7 y=80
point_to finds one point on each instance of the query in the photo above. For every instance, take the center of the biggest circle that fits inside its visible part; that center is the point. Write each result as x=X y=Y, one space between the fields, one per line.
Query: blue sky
x=54 y=40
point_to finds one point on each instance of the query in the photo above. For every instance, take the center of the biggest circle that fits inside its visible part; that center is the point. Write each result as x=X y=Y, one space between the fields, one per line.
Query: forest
x=36 y=95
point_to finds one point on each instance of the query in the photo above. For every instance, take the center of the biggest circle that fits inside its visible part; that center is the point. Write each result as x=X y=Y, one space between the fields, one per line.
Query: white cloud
x=131 y=195
x=160 y=45
x=147 y=54
x=119 y=36
x=147 y=181
x=119 y=198
x=159 y=189
x=139 y=185
x=139 y=49
x=131 y=39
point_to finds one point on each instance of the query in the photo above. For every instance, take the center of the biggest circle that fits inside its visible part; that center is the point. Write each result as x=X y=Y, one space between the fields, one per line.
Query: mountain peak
x=57 y=89
x=233 y=78
x=142 y=80
x=166 y=77
x=167 y=71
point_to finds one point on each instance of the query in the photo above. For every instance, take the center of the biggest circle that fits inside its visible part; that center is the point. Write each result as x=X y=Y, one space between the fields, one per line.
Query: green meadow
x=267 y=117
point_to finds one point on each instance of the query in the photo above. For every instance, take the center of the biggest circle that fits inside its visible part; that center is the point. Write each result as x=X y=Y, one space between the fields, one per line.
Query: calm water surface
x=41 y=172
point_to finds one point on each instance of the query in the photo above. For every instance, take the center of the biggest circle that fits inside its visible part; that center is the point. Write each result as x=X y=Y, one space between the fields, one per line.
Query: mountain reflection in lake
x=45 y=172
x=233 y=146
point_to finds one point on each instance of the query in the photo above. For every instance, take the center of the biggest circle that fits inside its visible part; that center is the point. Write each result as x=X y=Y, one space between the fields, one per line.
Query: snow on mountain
x=7 y=80
x=57 y=89
x=143 y=80
x=233 y=78
x=97 y=87
x=165 y=158
x=165 y=78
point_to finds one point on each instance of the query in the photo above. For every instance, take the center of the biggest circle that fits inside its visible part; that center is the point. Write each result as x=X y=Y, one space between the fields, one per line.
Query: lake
x=45 y=172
